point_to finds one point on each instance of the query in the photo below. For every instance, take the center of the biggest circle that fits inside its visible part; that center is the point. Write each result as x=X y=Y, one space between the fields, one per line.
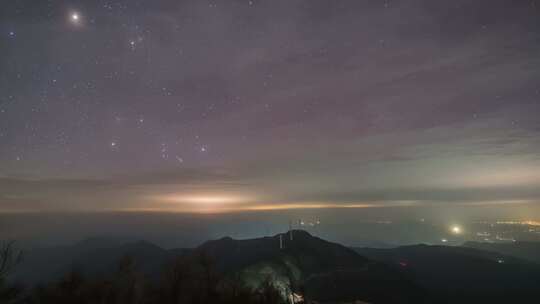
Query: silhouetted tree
x=175 y=281
x=128 y=283
x=269 y=294
x=187 y=280
x=208 y=278
x=9 y=258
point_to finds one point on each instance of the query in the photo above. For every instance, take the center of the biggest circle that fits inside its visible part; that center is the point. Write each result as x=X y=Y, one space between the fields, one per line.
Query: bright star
x=75 y=18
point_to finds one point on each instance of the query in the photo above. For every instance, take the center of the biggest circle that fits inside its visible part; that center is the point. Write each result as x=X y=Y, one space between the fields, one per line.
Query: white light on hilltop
x=456 y=229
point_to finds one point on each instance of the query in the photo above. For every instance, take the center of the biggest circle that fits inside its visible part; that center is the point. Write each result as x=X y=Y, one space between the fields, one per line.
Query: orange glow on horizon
x=227 y=203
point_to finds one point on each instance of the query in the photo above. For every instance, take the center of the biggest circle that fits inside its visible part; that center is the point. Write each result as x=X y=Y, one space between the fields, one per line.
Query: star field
x=281 y=102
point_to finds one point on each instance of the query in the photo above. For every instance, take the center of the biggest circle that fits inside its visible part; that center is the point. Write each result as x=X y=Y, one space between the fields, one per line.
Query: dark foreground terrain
x=303 y=269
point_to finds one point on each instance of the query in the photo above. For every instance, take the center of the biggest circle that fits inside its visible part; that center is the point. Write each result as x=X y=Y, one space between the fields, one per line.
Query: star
x=75 y=18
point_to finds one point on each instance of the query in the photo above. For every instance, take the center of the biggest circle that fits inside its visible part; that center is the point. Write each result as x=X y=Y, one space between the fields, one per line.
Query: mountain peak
x=298 y=233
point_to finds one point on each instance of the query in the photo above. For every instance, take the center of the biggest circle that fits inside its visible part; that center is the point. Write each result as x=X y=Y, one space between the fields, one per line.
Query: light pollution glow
x=221 y=203
x=224 y=203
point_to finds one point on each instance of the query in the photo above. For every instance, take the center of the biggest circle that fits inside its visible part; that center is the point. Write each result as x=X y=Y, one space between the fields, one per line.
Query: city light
x=456 y=229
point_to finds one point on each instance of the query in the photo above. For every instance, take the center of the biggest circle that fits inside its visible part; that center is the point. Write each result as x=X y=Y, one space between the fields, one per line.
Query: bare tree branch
x=9 y=257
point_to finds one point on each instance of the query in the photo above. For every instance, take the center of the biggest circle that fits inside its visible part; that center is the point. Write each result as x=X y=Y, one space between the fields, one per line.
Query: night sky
x=266 y=106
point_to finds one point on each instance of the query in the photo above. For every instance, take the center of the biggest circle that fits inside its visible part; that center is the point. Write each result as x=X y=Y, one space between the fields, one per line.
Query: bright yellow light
x=456 y=229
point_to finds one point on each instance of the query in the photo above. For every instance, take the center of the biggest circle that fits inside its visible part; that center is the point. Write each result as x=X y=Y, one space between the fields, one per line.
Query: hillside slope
x=319 y=269
x=463 y=275
x=525 y=250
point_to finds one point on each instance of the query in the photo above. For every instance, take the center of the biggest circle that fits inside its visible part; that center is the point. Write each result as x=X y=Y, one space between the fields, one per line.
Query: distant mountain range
x=525 y=250
x=463 y=274
x=93 y=257
x=324 y=271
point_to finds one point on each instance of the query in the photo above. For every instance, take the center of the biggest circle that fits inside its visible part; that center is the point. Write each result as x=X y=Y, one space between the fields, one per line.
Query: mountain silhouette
x=319 y=270
x=313 y=254
x=525 y=250
x=92 y=257
x=463 y=275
